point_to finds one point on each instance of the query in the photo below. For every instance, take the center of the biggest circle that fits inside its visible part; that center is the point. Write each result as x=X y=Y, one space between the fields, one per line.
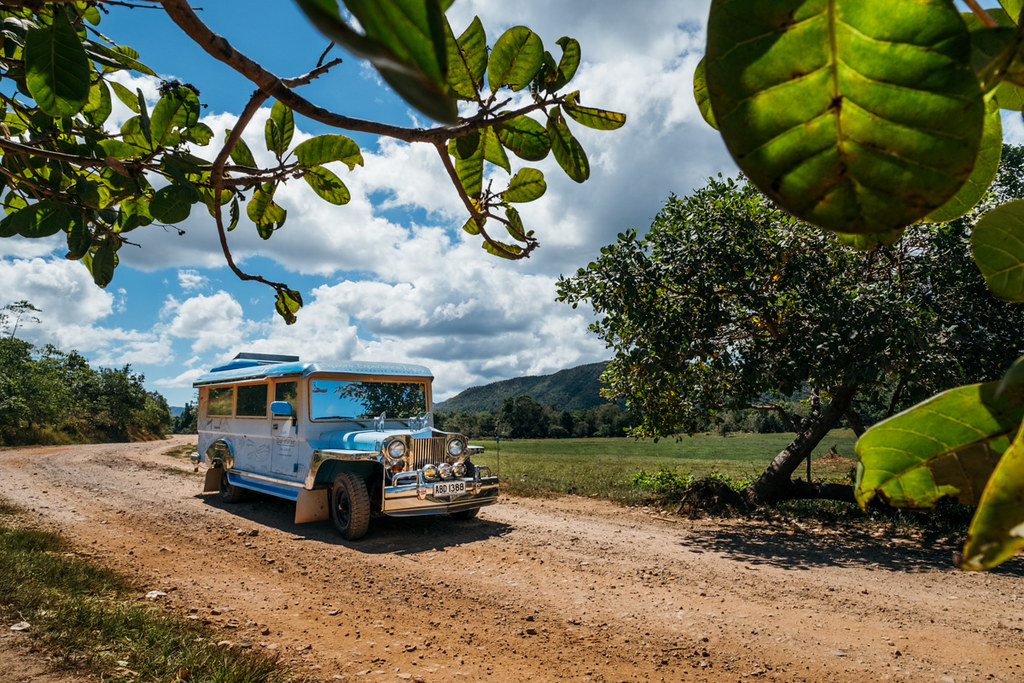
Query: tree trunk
x=774 y=484
x=854 y=419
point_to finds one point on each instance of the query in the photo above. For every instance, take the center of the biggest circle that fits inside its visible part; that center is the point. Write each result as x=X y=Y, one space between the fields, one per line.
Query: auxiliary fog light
x=459 y=469
x=430 y=472
x=445 y=470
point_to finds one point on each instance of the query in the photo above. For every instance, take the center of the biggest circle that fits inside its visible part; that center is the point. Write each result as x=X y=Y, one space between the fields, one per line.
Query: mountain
x=577 y=388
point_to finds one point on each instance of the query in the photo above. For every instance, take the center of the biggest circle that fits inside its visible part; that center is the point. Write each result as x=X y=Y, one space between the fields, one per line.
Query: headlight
x=459 y=469
x=456 y=447
x=395 y=449
x=445 y=470
x=430 y=472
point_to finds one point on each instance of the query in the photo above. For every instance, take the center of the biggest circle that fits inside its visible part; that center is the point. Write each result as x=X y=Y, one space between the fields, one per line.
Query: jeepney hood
x=360 y=440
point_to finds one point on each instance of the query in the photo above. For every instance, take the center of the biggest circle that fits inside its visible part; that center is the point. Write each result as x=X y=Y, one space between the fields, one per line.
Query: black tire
x=350 y=506
x=470 y=513
x=229 y=493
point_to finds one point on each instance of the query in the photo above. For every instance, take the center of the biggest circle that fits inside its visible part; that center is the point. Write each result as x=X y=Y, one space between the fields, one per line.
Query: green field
x=605 y=467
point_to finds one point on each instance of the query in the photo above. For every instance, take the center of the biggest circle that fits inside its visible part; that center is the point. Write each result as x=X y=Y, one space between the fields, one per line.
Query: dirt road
x=533 y=590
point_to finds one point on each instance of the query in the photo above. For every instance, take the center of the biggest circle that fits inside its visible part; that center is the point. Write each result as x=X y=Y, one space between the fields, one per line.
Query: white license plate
x=449 y=488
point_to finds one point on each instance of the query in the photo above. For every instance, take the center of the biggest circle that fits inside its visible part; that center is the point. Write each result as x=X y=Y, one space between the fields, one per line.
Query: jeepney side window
x=221 y=401
x=287 y=391
x=252 y=401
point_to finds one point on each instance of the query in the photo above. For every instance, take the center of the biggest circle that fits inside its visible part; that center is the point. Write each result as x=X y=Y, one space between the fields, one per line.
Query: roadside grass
x=91 y=617
x=607 y=467
x=643 y=472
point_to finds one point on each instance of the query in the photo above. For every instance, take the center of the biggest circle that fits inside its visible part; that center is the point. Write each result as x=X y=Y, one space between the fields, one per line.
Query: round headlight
x=430 y=472
x=459 y=469
x=445 y=470
x=395 y=449
x=456 y=447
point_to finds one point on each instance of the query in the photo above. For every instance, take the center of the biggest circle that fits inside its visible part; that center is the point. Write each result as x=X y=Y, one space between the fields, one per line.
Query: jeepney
x=344 y=440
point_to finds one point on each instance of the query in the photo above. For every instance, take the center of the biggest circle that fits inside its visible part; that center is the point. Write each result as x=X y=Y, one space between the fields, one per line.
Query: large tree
x=66 y=170
x=730 y=303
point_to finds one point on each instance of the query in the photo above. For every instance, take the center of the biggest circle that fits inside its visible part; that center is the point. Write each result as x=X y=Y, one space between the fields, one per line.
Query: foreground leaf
x=860 y=116
x=947 y=445
x=984 y=172
x=701 y=96
x=997 y=530
x=516 y=57
x=998 y=245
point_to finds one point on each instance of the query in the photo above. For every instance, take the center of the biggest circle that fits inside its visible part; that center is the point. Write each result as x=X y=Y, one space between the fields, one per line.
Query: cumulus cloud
x=210 y=322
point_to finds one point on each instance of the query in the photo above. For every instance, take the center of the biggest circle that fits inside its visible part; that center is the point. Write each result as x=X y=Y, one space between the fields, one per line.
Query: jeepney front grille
x=427 y=451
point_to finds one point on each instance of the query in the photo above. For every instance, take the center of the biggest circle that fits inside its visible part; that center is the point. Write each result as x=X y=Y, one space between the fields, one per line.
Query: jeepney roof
x=237 y=371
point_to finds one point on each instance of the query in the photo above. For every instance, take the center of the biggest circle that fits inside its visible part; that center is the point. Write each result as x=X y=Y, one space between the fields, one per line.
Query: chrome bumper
x=411 y=495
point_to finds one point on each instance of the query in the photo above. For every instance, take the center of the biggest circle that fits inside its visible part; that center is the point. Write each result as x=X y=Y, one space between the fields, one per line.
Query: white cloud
x=211 y=322
x=191 y=280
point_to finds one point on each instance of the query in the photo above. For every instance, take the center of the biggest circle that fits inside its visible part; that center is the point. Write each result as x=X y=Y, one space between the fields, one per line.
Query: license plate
x=449 y=488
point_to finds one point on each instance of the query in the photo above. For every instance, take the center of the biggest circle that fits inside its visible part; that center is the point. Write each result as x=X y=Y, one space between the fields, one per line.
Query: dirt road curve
x=533 y=590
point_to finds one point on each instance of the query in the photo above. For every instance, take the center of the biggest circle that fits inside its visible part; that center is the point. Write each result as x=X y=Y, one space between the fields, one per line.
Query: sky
x=389 y=276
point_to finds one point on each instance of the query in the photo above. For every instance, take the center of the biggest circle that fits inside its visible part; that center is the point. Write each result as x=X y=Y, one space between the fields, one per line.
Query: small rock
x=21 y=626
x=153 y=595
x=838 y=653
x=254 y=532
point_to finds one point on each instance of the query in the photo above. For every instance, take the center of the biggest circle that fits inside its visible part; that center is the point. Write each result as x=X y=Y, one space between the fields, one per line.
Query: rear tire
x=229 y=493
x=350 y=506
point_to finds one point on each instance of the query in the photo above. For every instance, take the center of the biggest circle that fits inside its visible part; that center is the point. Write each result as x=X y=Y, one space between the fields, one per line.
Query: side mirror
x=281 y=408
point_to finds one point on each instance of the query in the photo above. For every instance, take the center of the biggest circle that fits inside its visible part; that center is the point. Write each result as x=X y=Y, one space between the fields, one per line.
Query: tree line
x=51 y=396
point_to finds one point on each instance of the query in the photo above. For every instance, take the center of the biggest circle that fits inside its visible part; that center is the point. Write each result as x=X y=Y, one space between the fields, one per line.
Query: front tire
x=350 y=506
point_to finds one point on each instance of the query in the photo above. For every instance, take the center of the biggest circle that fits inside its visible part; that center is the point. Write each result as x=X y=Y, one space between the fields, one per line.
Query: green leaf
x=472 y=227
x=515 y=59
x=264 y=212
x=526 y=185
x=127 y=97
x=240 y=153
x=985 y=168
x=700 y=94
x=116 y=57
x=515 y=224
x=287 y=303
x=178 y=108
x=327 y=185
x=119 y=150
x=493 y=151
x=279 y=129
x=527 y=138
x=405 y=41
x=467 y=60
x=233 y=214
x=567 y=65
x=567 y=150
x=57 y=68
x=79 y=239
x=1009 y=96
x=598 y=119
x=947 y=445
x=99 y=105
x=41 y=219
x=200 y=133
x=144 y=120
x=1013 y=8
x=859 y=116
x=103 y=263
x=133 y=213
x=327 y=148
x=173 y=203
x=997 y=530
x=998 y=245
x=502 y=250
x=469 y=162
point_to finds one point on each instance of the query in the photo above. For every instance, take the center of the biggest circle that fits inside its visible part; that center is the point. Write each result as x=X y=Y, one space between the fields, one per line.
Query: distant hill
x=577 y=388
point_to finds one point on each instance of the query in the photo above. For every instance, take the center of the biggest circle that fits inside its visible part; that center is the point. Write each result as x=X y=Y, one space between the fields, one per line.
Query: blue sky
x=390 y=276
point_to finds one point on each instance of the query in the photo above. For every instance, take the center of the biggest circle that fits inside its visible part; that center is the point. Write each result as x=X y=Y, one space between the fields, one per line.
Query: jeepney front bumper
x=411 y=494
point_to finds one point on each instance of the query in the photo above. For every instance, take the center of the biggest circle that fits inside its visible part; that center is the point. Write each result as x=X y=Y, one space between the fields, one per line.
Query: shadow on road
x=387 y=535
x=790 y=548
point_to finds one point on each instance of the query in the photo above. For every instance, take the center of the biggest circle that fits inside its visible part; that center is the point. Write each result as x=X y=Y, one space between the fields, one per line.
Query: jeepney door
x=283 y=432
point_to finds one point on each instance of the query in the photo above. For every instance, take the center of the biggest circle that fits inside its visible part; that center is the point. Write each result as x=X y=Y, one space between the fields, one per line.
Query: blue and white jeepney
x=345 y=440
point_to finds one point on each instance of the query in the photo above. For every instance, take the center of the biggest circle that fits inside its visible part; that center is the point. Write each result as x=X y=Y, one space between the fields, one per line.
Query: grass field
x=605 y=467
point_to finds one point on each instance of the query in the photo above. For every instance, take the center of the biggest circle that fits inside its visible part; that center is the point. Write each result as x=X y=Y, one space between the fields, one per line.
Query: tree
x=64 y=171
x=863 y=117
x=729 y=303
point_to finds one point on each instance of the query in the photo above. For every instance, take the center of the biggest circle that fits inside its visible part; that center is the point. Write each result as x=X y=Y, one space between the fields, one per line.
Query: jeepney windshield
x=345 y=399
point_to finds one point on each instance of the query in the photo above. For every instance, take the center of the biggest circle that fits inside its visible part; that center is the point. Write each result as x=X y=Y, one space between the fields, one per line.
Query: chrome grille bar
x=427 y=451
